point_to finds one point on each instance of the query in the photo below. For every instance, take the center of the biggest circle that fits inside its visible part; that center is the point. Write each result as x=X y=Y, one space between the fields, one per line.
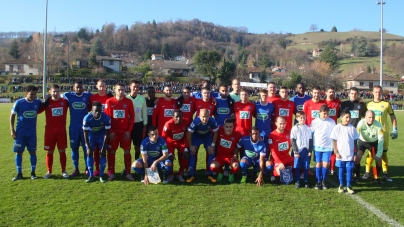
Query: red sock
x=183 y=163
x=62 y=157
x=332 y=161
x=234 y=170
x=97 y=159
x=128 y=162
x=49 y=161
x=111 y=163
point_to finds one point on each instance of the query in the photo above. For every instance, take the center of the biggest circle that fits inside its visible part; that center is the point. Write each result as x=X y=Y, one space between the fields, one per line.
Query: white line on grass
x=370 y=207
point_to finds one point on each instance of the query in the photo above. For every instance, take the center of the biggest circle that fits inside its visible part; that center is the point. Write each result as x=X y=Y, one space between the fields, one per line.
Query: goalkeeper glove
x=394 y=133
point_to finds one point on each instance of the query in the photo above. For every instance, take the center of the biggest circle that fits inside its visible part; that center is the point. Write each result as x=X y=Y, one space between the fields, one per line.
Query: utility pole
x=44 y=51
x=381 y=41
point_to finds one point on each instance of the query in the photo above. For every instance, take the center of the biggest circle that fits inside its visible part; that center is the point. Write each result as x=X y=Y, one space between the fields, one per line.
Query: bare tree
x=313 y=27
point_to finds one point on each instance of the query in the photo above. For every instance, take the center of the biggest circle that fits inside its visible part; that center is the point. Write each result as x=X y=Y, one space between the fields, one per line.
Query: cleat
x=180 y=178
x=366 y=176
x=111 y=177
x=129 y=177
x=387 y=178
x=96 y=173
x=273 y=179
x=306 y=185
x=102 y=180
x=213 y=180
x=87 y=173
x=331 y=172
x=243 y=180
x=231 y=178
x=47 y=175
x=170 y=178
x=297 y=185
x=377 y=181
x=65 y=175
x=142 y=178
x=350 y=190
x=33 y=176
x=318 y=186
x=90 y=179
x=123 y=173
x=324 y=185
x=341 y=189
x=302 y=176
x=18 y=177
x=165 y=179
x=186 y=173
x=75 y=173
x=189 y=180
x=219 y=176
x=226 y=173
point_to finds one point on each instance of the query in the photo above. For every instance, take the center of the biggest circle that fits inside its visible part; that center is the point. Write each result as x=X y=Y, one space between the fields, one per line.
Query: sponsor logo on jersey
x=284 y=112
x=29 y=114
x=225 y=143
x=97 y=129
x=354 y=113
x=284 y=146
x=78 y=105
x=150 y=110
x=153 y=153
x=250 y=154
x=178 y=136
x=57 y=111
x=333 y=112
x=186 y=108
x=378 y=113
x=262 y=116
x=223 y=110
x=300 y=107
x=119 y=113
x=203 y=132
x=168 y=112
x=315 y=114
x=244 y=114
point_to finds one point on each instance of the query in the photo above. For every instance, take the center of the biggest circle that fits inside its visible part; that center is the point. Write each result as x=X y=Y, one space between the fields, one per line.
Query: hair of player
x=97 y=104
x=78 y=82
x=229 y=121
x=177 y=111
x=151 y=88
x=55 y=86
x=205 y=88
x=276 y=120
x=187 y=88
x=167 y=85
x=234 y=80
x=354 y=89
x=300 y=113
x=271 y=83
x=151 y=128
x=316 y=88
x=119 y=84
x=324 y=108
x=264 y=91
x=377 y=86
x=243 y=90
x=134 y=82
x=101 y=81
x=344 y=112
x=303 y=85
x=223 y=85
x=283 y=88
x=30 y=88
x=329 y=87
x=254 y=129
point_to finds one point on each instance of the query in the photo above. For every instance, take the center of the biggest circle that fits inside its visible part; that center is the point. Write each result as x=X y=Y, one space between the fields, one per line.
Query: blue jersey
x=263 y=114
x=252 y=150
x=78 y=106
x=26 y=116
x=299 y=101
x=222 y=111
x=153 y=150
x=198 y=94
x=96 y=127
x=202 y=130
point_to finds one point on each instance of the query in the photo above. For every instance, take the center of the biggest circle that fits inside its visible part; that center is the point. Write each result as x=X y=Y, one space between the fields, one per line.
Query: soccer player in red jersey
x=279 y=142
x=205 y=102
x=55 y=129
x=284 y=108
x=243 y=112
x=312 y=107
x=174 y=133
x=272 y=96
x=226 y=150
x=164 y=109
x=120 y=110
x=186 y=103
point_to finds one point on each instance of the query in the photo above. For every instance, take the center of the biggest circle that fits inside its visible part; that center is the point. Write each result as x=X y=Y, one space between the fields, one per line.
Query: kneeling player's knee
x=111 y=152
x=214 y=164
x=137 y=165
x=168 y=163
x=235 y=165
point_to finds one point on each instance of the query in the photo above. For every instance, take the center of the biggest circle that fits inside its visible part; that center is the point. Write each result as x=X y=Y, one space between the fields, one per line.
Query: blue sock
x=305 y=174
x=139 y=170
x=341 y=171
x=167 y=170
x=297 y=174
x=85 y=156
x=268 y=168
x=103 y=165
x=75 y=159
x=18 y=163
x=191 y=165
x=325 y=171
x=348 y=175
x=243 y=168
x=32 y=159
x=318 y=174
x=210 y=159
x=90 y=165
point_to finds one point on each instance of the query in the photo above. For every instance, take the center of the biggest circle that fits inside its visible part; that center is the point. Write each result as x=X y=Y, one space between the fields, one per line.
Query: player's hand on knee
x=281 y=166
x=112 y=136
x=211 y=149
x=193 y=150
x=126 y=136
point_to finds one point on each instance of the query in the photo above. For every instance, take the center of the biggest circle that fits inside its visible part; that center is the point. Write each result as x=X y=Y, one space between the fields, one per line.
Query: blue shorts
x=97 y=142
x=160 y=165
x=323 y=156
x=303 y=161
x=25 y=141
x=198 y=140
x=252 y=162
x=265 y=133
x=76 y=136
x=344 y=164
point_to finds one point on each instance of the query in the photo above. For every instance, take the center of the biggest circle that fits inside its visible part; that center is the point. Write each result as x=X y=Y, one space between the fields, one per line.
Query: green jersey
x=371 y=133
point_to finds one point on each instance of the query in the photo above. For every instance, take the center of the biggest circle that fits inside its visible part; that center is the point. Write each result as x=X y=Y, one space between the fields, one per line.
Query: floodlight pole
x=381 y=41
x=44 y=51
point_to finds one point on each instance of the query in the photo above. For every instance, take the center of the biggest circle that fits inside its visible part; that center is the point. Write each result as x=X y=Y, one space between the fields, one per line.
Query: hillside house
x=104 y=64
x=317 y=52
x=21 y=66
x=178 y=68
x=156 y=57
x=254 y=74
x=366 y=81
x=119 y=54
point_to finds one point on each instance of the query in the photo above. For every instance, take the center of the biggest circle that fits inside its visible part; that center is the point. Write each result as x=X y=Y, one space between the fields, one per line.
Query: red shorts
x=53 y=138
x=223 y=161
x=113 y=145
x=287 y=162
x=180 y=145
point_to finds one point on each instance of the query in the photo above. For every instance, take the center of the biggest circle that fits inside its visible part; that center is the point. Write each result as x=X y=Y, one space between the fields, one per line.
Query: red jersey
x=272 y=99
x=226 y=144
x=121 y=113
x=335 y=107
x=280 y=146
x=200 y=104
x=163 y=112
x=101 y=99
x=173 y=132
x=188 y=108
x=243 y=113
x=284 y=109
x=56 y=113
x=312 y=110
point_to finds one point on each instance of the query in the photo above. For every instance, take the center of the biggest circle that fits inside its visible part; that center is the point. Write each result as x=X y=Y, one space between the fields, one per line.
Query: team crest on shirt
x=124 y=105
x=359 y=107
x=62 y=104
x=173 y=106
x=382 y=106
x=35 y=106
x=286 y=175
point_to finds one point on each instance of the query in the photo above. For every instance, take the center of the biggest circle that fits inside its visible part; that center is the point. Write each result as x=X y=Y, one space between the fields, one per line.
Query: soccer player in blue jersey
x=205 y=84
x=263 y=113
x=24 y=135
x=224 y=105
x=299 y=98
x=96 y=127
x=79 y=103
x=154 y=155
x=255 y=153
x=203 y=130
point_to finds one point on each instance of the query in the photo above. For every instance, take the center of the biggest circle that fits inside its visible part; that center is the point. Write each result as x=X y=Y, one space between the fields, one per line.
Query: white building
x=21 y=66
x=366 y=81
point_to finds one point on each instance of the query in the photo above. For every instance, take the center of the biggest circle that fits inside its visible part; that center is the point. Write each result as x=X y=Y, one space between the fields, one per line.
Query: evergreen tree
x=334 y=29
x=165 y=51
x=147 y=56
x=14 y=50
x=97 y=47
x=329 y=57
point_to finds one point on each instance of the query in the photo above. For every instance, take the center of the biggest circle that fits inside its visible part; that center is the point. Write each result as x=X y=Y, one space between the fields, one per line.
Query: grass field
x=72 y=202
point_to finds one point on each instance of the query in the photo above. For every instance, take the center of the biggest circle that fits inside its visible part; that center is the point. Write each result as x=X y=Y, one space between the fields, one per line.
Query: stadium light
x=381 y=41
x=44 y=51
